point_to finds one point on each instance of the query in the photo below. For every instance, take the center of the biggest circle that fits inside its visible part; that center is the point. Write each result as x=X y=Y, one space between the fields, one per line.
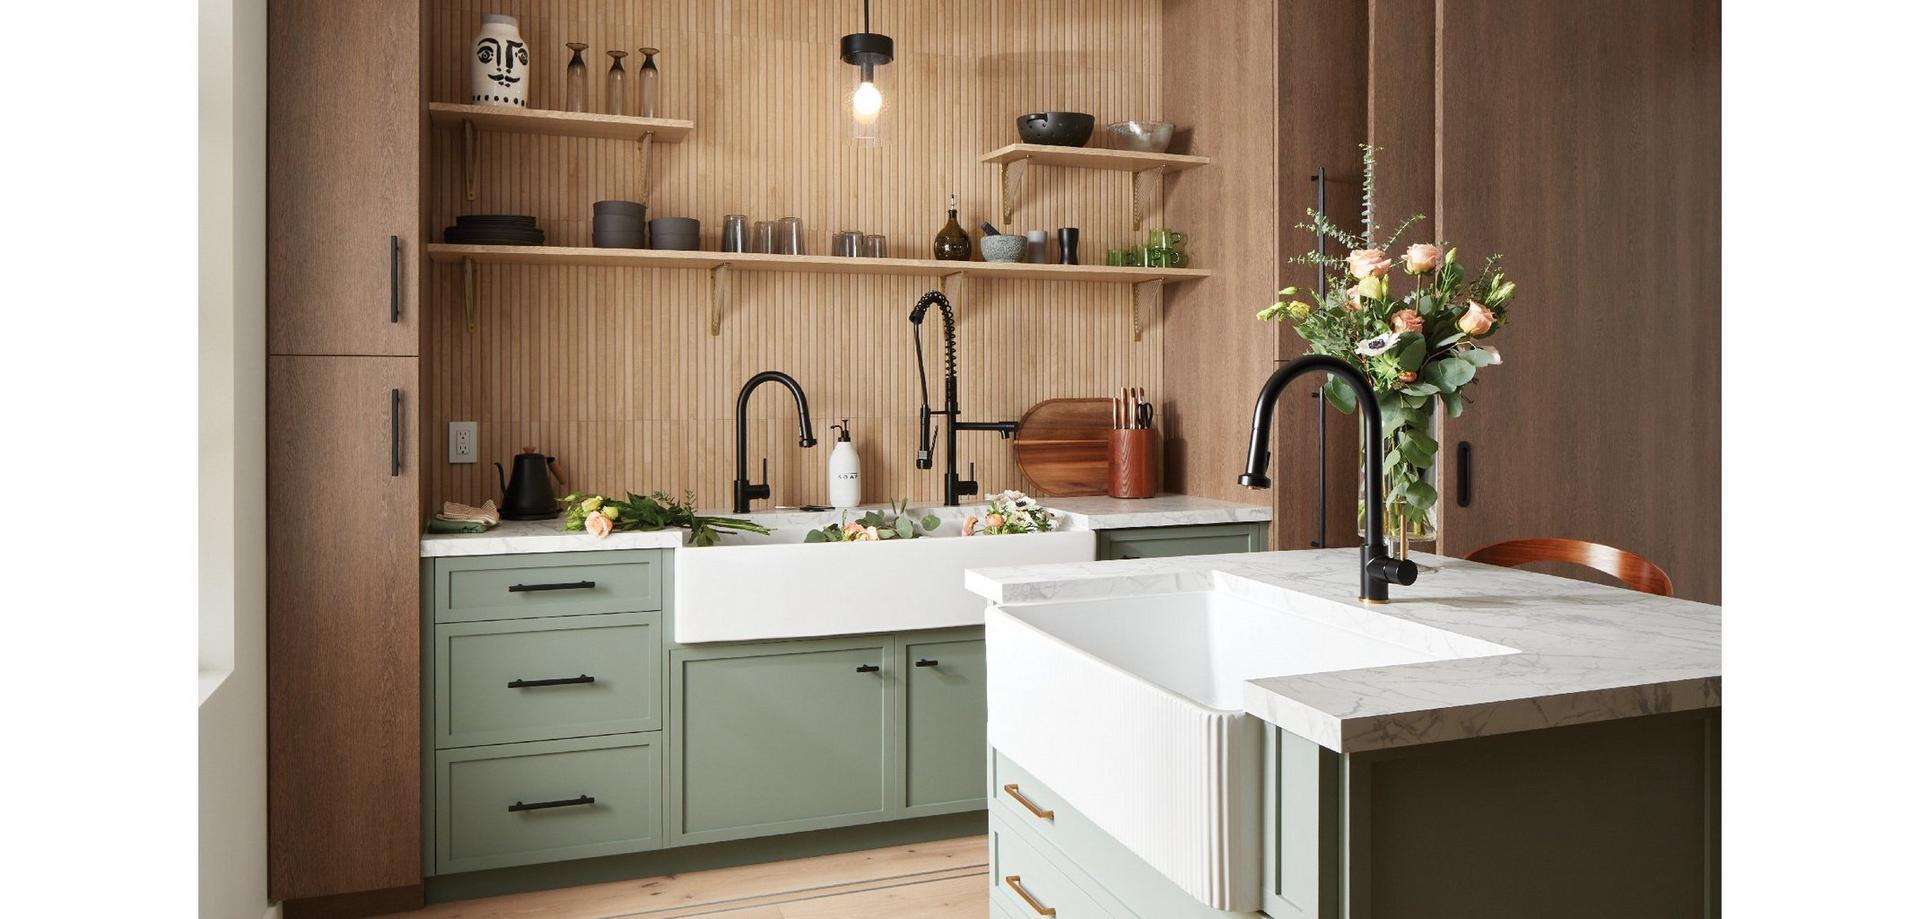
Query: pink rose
x=1353 y=300
x=1408 y=376
x=1477 y=320
x=1365 y=263
x=853 y=530
x=1422 y=257
x=966 y=527
x=1406 y=321
x=995 y=521
x=599 y=525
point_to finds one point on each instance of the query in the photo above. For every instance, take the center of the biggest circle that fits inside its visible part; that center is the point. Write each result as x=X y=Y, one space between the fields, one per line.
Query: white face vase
x=499 y=65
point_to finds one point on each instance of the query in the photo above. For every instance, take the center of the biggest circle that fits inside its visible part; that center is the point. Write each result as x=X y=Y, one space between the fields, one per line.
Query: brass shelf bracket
x=646 y=172
x=466 y=273
x=1135 y=201
x=718 y=291
x=466 y=154
x=1133 y=303
x=940 y=284
x=1012 y=176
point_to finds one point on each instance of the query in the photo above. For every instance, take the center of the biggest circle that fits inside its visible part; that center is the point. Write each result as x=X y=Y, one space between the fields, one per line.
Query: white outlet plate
x=462 y=441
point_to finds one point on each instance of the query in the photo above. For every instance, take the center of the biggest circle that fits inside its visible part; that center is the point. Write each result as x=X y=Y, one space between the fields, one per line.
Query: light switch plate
x=462 y=437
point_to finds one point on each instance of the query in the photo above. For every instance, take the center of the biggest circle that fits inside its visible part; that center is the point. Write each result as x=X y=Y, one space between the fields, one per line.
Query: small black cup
x=1069 y=245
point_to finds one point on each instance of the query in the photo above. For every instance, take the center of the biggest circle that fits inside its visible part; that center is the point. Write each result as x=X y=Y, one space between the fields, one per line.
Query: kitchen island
x=1240 y=735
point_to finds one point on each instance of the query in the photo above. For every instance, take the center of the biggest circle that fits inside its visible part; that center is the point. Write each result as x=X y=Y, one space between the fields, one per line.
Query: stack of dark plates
x=619 y=224
x=496 y=230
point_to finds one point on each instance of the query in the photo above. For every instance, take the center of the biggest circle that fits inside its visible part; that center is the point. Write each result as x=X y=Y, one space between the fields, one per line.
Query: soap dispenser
x=843 y=470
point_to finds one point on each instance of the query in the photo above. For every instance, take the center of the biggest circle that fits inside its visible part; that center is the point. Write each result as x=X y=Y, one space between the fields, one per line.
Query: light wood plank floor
x=945 y=879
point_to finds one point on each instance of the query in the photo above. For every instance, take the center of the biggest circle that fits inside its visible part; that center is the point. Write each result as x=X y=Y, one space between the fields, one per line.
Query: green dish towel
x=441 y=524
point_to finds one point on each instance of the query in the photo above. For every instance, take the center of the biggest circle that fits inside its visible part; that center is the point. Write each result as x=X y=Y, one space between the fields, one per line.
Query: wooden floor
x=934 y=880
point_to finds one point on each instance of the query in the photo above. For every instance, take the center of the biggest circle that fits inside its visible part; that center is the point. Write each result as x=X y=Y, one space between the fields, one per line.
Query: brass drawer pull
x=1013 y=791
x=1013 y=881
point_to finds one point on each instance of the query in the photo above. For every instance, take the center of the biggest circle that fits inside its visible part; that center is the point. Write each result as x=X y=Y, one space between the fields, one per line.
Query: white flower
x=1378 y=345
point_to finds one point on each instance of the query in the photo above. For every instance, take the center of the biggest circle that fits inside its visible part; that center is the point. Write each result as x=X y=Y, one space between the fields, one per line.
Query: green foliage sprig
x=657 y=511
x=892 y=523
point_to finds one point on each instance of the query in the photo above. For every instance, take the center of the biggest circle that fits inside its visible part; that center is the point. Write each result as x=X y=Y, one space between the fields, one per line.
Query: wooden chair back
x=1636 y=572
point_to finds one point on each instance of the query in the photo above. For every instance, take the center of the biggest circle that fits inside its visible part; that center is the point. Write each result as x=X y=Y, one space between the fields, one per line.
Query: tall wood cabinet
x=344 y=232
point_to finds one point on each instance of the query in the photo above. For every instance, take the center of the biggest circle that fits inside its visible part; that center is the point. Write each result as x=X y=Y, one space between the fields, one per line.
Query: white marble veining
x=514 y=537
x=1585 y=652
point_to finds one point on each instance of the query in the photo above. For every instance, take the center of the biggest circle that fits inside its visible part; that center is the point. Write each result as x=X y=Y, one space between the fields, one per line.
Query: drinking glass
x=763 y=236
x=789 y=238
x=1036 y=245
x=649 y=84
x=1116 y=258
x=873 y=245
x=617 y=85
x=846 y=243
x=577 y=79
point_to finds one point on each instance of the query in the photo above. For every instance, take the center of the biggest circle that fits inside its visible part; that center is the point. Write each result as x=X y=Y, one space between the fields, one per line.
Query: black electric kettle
x=530 y=495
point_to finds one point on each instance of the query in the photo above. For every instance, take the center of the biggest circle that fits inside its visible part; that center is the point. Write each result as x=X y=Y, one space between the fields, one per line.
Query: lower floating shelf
x=821 y=264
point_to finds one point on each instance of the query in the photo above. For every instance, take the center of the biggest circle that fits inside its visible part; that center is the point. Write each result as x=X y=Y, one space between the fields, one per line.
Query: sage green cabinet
x=543 y=679
x=487 y=587
x=778 y=737
x=1166 y=542
x=518 y=804
x=943 y=722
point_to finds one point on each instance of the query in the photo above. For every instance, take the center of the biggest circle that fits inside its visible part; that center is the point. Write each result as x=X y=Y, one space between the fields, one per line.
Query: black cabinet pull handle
x=926 y=662
x=867 y=668
x=393 y=436
x=562 y=585
x=559 y=681
x=519 y=806
x=393 y=279
x=1463 y=474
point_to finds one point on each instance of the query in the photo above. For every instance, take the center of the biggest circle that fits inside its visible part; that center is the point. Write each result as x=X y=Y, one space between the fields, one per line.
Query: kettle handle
x=502 y=473
x=553 y=466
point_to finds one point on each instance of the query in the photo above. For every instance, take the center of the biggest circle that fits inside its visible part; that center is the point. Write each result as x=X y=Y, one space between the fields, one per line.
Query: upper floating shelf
x=1093 y=158
x=823 y=264
x=564 y=124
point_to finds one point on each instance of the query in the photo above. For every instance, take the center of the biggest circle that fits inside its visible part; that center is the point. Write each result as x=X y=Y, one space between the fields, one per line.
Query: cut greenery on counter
x=892 y=523
x=1008 y=513
x=601 y=515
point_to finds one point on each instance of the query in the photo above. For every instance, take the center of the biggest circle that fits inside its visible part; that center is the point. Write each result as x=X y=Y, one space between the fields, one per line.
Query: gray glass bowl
x=1141 y=136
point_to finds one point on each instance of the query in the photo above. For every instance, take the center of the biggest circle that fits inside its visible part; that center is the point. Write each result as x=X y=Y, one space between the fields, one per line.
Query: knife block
x=1131 y=463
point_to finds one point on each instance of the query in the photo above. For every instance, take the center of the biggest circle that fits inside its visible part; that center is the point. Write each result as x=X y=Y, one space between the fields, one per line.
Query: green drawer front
x=476 y=786
x=1019 y=867
x=778 y=738
x=476 y=665
x=557 y=584
x=946 y=725
x=1167 y=542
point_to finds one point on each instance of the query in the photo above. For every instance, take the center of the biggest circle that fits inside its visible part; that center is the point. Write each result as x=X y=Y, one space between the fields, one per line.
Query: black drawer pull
x=1463 y=472
x=519 y=806
x=867 y=668
x=393 y=435
x=393 y=279
x=559 y=681
x=926 y=662
x=562 y=585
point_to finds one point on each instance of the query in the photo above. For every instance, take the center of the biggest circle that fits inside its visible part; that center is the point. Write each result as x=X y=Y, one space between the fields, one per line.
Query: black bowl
x=1058 y=129
x=619 y=207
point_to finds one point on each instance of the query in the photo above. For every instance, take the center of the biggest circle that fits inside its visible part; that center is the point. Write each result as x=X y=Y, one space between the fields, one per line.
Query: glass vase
x=649 y=84
x=576 y=79
x=617 y=85
x=1410 y=488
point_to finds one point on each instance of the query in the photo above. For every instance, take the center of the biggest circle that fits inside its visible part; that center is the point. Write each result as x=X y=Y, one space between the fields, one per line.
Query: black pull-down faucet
x=744 y=491
x=953 y=486
x=1378 y=567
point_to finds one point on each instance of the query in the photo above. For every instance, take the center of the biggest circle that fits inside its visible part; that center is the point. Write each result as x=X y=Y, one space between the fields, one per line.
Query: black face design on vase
x=502 y=62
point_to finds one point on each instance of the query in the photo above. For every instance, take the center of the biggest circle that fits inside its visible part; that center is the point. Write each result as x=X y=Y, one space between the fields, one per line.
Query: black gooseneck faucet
x=744 y=491
x=1378 y=567
x=954 y=487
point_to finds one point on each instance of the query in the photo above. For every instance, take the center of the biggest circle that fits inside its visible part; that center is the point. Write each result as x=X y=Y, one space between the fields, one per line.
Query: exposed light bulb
x=867 y=103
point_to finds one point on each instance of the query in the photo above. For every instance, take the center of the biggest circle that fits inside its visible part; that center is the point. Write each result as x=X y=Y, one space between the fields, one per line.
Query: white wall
x=232 y=533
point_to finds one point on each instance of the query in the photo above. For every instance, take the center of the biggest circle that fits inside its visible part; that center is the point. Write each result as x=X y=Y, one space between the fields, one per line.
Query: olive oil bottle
x=952 y=244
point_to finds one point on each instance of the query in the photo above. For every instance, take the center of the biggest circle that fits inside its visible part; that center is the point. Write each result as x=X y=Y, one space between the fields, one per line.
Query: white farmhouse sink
x=1130 y=709
x=753 y=587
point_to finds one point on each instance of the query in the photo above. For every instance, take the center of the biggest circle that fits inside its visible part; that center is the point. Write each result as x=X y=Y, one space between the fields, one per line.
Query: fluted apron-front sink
x=1130 y=708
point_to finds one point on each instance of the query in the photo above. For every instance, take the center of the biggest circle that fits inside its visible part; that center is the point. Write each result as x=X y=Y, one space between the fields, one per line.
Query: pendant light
x=866 y=50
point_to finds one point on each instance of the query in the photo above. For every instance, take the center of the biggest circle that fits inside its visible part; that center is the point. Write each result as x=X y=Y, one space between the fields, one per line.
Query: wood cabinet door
x=343 y=625
x=778 y=737
x=344 y=158
x=1590 y=158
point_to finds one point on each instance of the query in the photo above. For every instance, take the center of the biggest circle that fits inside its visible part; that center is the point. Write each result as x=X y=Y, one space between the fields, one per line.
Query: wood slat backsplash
x=612 y=370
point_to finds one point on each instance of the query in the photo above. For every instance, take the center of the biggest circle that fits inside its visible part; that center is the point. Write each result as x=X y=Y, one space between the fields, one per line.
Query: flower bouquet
x=601 y=515
x=892 y=523
x=1420 y=349
x=1010 y=512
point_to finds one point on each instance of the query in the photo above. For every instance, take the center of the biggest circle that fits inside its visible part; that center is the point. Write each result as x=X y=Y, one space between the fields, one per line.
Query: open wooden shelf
x=564 y=124
x=1093 y=158
x=826 y=264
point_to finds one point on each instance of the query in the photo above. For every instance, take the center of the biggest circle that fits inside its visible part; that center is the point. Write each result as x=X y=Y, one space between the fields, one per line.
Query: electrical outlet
x=461 y=441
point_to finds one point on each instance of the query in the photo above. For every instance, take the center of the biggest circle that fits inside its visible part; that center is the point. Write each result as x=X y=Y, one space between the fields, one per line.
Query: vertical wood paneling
x=612 y=370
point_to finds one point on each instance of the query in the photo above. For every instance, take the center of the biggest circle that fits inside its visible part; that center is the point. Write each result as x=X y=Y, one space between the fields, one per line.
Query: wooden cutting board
x=1061 y=446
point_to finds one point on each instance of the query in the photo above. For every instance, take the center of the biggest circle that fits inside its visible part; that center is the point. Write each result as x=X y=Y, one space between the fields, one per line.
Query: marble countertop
x=1587 y=652
x=514 y=537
